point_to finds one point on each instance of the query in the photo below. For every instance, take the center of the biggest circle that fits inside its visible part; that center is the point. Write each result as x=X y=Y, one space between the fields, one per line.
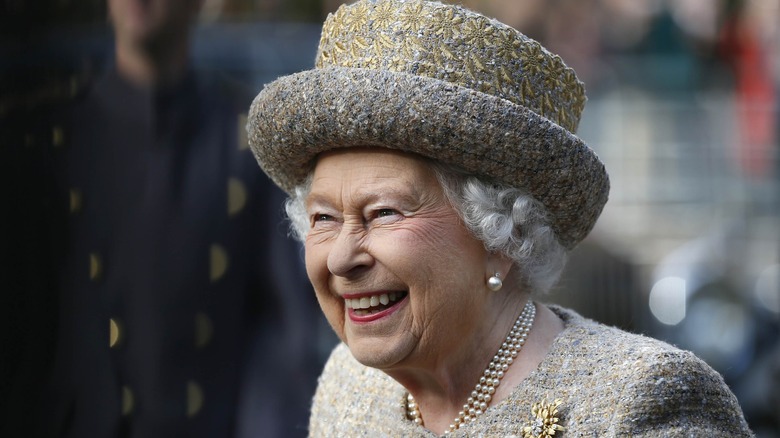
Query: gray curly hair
x=504 y=218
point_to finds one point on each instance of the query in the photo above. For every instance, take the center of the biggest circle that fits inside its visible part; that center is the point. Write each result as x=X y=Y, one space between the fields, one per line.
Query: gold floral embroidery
x=371 y=62
x=477 y=64
x=486 y=87
x=384 y=15
x=384 y=41
x=477 y=33
x=357 y=18
x=547 y=108
x=553 y=71
x=426 y=69
x=396 y=64
x=545 y=423
x=503 y=75
x=508 y=45
x=339 y=47
x=334 y=21
x=450 y=44
x=411 y=48
x=359 y=43
x=532 y=58
x=570 y=81
x=412 y=16
x=323 y=59
x=446 y=53
x=527 y=91
x=454 y=77
x=563 y=118
x=447 y=24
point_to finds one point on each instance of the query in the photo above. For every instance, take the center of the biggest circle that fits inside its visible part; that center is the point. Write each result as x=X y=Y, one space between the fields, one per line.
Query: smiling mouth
x=365 y=306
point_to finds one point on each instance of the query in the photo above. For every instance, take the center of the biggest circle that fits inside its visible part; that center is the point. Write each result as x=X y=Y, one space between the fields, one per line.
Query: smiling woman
x=436 y=180
x=381 y=226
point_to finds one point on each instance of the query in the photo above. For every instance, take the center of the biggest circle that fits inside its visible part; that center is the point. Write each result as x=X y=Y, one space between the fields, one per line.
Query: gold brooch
x=545 y=422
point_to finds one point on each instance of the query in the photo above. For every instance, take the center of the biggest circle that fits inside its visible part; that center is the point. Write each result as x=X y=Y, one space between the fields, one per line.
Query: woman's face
x=398 y=276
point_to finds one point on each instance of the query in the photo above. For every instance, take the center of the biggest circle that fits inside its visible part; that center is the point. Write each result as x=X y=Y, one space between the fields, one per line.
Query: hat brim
x=299 y=116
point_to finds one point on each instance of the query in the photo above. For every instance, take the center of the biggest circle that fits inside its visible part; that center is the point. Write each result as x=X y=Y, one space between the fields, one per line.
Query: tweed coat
x=610 y=383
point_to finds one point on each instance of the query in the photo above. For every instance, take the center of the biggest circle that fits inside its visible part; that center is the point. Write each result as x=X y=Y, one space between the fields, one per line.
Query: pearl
x=494 y=283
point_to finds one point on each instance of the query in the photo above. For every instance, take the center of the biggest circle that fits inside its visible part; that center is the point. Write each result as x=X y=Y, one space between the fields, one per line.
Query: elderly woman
x=437 y=183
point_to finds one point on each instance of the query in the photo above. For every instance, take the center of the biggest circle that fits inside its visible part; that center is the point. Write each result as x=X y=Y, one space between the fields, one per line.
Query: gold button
x=95 y=267
x=128 y=401
x=74 y=85
x=204 y=329
x=57 y=136
x=29 y=140
x=236 y=196
x=75 y=201
x=243 y=138
x=194 y=398
x=219 y=262
x=114 y=333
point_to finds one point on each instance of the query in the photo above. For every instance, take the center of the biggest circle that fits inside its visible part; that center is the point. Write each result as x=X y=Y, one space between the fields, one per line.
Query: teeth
x=372 y=301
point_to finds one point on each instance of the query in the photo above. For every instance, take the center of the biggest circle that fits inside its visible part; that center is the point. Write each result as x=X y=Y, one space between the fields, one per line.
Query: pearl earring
x=494 y=283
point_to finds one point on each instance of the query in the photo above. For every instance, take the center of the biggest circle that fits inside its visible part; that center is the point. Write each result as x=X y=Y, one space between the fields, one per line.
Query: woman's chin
x=379 y=353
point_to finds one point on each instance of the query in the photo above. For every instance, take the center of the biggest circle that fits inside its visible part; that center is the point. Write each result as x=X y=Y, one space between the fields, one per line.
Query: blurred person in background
x=175 y=315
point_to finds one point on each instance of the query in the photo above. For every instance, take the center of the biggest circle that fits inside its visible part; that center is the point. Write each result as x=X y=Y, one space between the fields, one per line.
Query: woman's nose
x=348 y=255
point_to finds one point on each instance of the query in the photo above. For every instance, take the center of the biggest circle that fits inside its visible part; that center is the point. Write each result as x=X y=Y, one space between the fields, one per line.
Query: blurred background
x=683 y=110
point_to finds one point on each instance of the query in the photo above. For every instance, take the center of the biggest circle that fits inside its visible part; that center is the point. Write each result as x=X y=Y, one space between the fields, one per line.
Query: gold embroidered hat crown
x=443 y=82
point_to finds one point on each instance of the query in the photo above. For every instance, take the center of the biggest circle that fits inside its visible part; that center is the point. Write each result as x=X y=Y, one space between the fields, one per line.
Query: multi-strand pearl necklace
x=488 y=383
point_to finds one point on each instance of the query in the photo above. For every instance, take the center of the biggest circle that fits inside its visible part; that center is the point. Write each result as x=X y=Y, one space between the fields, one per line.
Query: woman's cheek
x=424 y=234
x=316 y=260
x=332 y=306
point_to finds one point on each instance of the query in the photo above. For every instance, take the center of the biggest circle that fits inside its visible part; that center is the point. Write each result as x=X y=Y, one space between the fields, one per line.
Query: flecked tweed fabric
x=443 y=82
x=611 y=384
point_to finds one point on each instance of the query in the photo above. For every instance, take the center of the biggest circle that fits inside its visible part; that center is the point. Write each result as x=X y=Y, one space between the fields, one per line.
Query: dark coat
x=183 y=307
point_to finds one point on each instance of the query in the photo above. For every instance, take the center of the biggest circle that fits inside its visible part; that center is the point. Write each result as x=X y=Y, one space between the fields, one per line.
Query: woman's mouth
x=370 y=305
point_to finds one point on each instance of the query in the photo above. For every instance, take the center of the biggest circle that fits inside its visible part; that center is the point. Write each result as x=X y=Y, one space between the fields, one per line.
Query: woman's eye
x=385 y=212
x=322 y=217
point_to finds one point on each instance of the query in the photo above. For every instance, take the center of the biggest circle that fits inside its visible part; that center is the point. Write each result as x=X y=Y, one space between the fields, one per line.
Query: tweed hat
x=444 y=82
